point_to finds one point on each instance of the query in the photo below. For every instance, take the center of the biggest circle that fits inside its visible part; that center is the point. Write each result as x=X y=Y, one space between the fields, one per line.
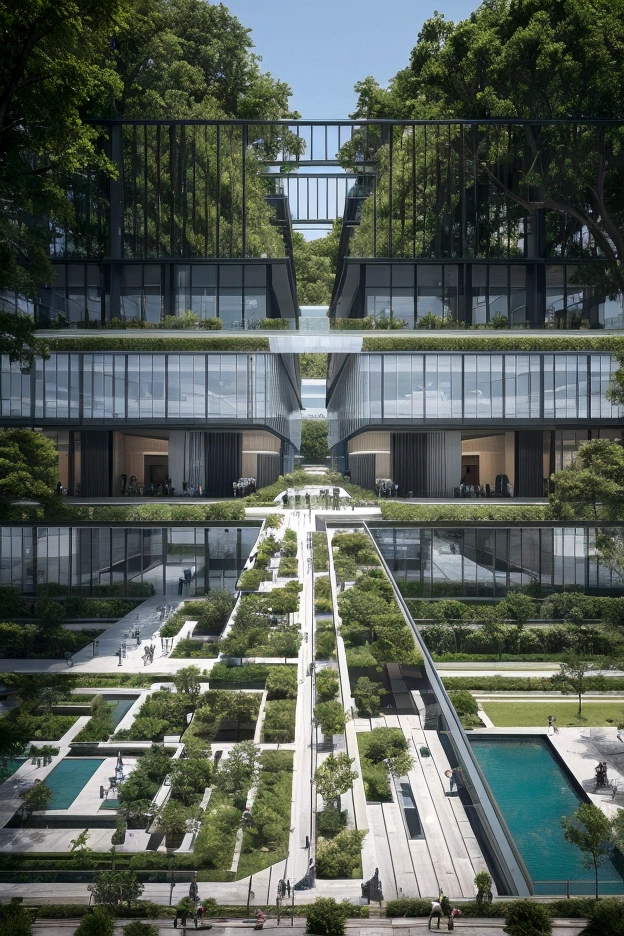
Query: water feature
x=533 y=792
x=69 y=778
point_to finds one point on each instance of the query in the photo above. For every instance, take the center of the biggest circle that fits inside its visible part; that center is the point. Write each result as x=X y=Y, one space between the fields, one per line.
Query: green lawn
x=520 y=714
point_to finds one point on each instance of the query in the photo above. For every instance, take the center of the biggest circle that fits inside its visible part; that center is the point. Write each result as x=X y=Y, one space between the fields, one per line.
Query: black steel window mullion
x=218 y=197
x=244 y=191
x=194 y=194
x=180 y=358
x=145 y=195
x=424 y=211
x=541 y=388
x=206 y=366
x=390 y=182
x=463 y=387
x=157 y=213
x=80 y=394
x=172 y=186
x=135 y=194
x=206 y=198
x=413 y=191
x=182 y=186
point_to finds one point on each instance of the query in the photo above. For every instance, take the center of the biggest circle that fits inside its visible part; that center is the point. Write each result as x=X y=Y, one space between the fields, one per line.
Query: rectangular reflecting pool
x=533 y=792
x=69 y=778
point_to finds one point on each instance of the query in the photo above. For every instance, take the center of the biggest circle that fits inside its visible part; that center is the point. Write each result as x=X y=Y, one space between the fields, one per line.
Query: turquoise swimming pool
x=119 y=709
x=69 y=777
x=533 y=792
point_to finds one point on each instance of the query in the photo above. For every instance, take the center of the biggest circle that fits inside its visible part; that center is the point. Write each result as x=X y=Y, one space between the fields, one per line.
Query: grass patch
x=519 y=714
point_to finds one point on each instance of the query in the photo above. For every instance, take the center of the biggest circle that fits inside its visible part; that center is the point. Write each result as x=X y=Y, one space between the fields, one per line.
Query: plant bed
x=279 y=721
x=195 y=650
x=162 y=713
x=266 y=840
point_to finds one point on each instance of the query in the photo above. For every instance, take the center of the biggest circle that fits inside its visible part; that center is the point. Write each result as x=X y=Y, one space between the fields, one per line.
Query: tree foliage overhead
x=72 y=61
x=57 y=69
x=528 y=59
x=592 y=488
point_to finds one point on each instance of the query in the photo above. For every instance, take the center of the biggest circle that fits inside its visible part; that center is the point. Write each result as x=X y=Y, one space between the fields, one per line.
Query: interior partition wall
x=100 y=561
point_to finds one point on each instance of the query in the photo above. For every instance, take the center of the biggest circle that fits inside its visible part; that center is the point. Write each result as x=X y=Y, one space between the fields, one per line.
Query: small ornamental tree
x=37 y=798
x=138 y=928
x=14 y=921
x=592 y=832
x=334 y=777
x=187 y=682
x=326 y=917
x=367 y=695
x=572 y=678
x=96 y=922
x=331 y=717
x=463 y=702
x=116 y=888
x=605 y=917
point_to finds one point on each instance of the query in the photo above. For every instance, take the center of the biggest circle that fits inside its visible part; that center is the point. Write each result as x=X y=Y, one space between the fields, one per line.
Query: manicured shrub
x=326 y=917
x=340 y=856
x=527 y=918
x=330 y=822
x=605 y=916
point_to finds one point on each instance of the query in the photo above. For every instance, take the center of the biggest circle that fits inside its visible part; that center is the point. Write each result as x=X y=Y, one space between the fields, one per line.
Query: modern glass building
x=155 y=416
x=472 y=561
x=454 y=224
x=141 y=560
x=435 y=421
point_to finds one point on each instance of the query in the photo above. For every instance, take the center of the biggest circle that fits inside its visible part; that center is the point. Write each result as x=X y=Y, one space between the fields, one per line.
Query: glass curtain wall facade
x=469 y=293
x=123 y=388
x=461 y=389
x=101 y=561
x=472 y=562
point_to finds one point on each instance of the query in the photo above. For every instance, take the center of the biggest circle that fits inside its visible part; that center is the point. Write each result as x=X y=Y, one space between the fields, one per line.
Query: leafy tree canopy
x=314 y=434
x=72 y=61
x=592 y=488
x=535 y=58
x=334 y=777
x=28 y=468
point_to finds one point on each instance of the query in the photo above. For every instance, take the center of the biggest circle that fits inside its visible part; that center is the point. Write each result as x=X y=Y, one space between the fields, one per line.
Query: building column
x=529 y=463
x=177 y=464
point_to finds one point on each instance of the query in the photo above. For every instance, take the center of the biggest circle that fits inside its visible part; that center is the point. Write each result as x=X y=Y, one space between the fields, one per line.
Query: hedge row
x=463 y=512
x=479 y=342
x=572 y=908
x=528 y=683
x=156 y=343
x=175 y=511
